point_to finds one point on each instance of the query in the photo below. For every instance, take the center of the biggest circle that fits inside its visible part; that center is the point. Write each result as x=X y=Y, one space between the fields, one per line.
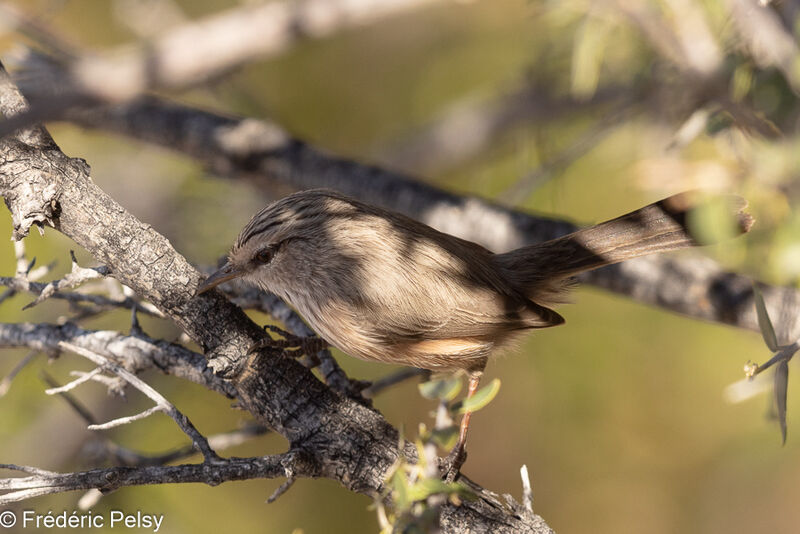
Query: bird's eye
x=265 y=255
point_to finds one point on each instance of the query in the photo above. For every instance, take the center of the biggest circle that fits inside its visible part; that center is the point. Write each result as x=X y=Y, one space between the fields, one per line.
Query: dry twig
x=162 y=404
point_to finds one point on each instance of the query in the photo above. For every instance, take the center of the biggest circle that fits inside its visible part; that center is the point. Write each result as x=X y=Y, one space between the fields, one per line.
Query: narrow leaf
x=781 y=383
x=400 y=490
x=445 y=437
x=431 y=486
x=444 y=389
x=480 y=399
x=746 y=388
x=767 y=331
x=587 y=55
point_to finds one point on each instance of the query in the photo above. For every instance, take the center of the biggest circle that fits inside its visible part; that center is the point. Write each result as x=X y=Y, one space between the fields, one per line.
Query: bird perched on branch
x=381 y=286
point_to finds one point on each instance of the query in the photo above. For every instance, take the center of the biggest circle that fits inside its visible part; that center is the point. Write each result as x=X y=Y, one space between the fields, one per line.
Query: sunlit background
x=601 y=107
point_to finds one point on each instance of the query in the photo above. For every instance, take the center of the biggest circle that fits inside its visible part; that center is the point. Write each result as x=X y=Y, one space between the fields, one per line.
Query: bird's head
x=263 y=252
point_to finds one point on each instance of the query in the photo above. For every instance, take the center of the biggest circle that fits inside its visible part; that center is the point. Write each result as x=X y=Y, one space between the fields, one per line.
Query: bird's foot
x=301 y=345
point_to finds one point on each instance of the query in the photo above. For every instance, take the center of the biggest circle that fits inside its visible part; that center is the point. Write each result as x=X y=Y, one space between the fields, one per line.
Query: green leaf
x=712 y=220
x=480 y=399
x=432 y=486
x=587 y=55
x=444 y=389
x=400 y=490
x=781 y=386
x=445 y=437
x=741 y=82
x=719 y=122
x=767 y=331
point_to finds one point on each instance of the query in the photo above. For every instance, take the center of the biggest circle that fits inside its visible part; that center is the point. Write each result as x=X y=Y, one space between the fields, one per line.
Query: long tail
x=539 y=270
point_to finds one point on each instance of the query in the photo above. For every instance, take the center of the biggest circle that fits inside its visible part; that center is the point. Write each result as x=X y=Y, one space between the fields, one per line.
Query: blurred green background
x=619 y=414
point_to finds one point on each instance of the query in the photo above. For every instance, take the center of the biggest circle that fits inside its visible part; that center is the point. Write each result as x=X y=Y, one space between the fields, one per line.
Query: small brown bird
x=381 y=286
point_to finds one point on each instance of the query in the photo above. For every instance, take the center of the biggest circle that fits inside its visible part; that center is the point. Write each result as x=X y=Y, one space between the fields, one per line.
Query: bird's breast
x=359 y=335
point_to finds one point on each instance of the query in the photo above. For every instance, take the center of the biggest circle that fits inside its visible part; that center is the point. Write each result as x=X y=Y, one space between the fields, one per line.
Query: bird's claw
x=309 y=346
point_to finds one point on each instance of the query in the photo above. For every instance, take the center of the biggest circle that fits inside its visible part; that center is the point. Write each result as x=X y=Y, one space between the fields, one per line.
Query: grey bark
x=265 y=155
x=135 y=352
x=335 y=436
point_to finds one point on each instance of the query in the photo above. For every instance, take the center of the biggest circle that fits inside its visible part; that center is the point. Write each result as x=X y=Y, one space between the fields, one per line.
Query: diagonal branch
x=345 y=441
x=334 y=376
x=264 y=154
x=5 y=383
x=201 y=50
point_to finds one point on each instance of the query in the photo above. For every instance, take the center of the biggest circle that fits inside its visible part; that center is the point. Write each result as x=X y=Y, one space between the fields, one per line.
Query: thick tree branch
x=332 y=374
x=265 y=155
x=344 y=440
x=200 y=50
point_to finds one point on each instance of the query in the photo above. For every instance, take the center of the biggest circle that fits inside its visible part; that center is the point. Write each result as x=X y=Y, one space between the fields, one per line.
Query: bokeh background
x=600 y=107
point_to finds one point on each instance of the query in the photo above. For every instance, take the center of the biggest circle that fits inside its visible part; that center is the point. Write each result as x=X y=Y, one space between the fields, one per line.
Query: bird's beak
x=225 y=273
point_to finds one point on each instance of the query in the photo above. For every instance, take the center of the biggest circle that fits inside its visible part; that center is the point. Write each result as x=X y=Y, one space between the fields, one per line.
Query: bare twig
x=5 y=384
x=162 y=404
x=388 y=381
x=283 y=488
x=102 y=302
x=77 y=276
x=18 y=284
x=42 y=482
x=25 y=273
x=24 y=281
x=129 y=419
x=128 y=457
x=527 y=493
x=73 y=403
x=134 y=352
x=114 y=384
x=85 y=377
x=27 y=469
x=22 y=262
x=218 y=442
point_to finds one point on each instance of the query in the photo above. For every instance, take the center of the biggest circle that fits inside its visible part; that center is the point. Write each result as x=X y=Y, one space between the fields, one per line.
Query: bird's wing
x=440 y=293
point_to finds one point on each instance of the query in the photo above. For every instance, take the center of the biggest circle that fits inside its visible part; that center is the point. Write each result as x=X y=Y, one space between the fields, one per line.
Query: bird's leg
x=309 y=346
x=458 y=455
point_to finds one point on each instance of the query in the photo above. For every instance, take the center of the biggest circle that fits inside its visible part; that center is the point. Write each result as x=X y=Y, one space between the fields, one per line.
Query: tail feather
x=539 y=270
